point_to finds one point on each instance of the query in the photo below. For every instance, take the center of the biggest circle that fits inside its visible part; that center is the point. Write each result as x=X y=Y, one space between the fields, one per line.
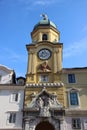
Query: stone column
x=55 y=63
x=62 y=124
x=29 y=63
x=57 y=59
x=26 y=125
x=49 y=36
x=32 y=63
x=59 y=56
x=40 y=37
x=57 y=124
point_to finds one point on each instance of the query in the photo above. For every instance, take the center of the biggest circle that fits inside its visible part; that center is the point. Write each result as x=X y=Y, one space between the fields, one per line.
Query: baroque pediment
x=45 y=99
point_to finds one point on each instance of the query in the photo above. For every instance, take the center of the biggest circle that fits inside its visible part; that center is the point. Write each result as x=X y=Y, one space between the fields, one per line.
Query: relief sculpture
x=45 y=101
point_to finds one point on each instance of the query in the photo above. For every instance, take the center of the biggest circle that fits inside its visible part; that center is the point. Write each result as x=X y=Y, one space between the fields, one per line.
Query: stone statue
x=45 y=67
x=40 y=102
x=44 y=16
x=45 y=111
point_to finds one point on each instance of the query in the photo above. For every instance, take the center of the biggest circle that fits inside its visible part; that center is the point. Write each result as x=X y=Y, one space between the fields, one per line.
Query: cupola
x=45 y=30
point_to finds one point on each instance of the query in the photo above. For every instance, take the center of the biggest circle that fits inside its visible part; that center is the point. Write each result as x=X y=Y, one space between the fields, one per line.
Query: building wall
x=53 y=35
x=6 y=106
x=59 y=91
x=80 y=76
x=54 y=62
x=68 y=123
x=80 y=85
x=7 y=76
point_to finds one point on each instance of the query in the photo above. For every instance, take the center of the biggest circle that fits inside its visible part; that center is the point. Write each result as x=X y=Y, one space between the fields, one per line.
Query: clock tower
x=44 y=53
x=44 y=92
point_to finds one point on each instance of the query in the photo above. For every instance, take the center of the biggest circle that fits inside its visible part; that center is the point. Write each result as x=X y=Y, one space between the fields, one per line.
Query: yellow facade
x=80 y=85
x=53 y=35
x=55 y=62
x=50 y=67
x=58 y=91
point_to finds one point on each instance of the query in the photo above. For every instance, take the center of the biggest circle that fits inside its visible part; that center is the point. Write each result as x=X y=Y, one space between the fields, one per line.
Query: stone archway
x=45 y=125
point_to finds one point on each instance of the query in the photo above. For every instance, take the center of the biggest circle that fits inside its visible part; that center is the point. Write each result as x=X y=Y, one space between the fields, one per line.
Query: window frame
x=14 y=97
x=41 y=78
x=74 y=98
x=76 y=123
x=0 y=78
x=44 y=37
x=11 y=118
x=71 y=78
x=69 y=100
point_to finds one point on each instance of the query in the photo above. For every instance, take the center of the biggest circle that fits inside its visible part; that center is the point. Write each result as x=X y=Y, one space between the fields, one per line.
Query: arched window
x=44 y=37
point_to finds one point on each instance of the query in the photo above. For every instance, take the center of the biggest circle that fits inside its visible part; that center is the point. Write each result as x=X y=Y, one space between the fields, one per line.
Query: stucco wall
x=68 y=123
x=7 y=106
x=80 y=85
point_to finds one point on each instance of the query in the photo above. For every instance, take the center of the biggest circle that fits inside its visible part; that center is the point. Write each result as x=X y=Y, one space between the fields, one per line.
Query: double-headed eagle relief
x=45 y=101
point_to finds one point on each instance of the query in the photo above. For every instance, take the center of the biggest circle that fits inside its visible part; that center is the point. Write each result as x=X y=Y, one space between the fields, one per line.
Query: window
x=44 y=37
x=76 y=123
x=73 y=98
x=85 y=123
x=0 y=77
x=71 y=78
x=12 y=118
x=14 y=97
x=20 y=82
x=44 y=78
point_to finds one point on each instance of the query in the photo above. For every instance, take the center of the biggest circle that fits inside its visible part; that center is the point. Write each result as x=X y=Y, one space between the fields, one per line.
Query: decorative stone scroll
x=45 y=101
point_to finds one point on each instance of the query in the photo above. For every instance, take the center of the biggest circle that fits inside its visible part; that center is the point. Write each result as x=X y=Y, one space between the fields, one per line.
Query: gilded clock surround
x=44 y=54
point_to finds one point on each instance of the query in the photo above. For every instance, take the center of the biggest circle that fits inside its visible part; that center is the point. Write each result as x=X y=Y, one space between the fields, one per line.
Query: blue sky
x=18 y=17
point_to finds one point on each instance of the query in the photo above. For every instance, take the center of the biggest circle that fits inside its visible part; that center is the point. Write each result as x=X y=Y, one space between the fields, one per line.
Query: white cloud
x=32 y=3
x=44 y=2
x=75 y=48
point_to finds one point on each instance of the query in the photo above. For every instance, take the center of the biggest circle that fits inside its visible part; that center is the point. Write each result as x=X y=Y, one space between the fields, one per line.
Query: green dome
x=45 y=22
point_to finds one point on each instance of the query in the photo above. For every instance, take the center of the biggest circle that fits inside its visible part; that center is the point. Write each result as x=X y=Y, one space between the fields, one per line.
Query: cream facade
x=11 y=106
x=79 y=84
x=75 y=82
x=7 y=76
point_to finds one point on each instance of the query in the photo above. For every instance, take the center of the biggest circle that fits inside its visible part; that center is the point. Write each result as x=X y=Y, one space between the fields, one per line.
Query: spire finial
x=45 y=17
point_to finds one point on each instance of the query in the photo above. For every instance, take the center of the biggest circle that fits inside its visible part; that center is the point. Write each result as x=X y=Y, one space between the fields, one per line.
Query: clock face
x=44 y=54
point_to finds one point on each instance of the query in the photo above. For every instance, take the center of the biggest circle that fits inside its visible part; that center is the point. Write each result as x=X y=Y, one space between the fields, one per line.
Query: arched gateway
x=45 y=125
x=44 y=113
